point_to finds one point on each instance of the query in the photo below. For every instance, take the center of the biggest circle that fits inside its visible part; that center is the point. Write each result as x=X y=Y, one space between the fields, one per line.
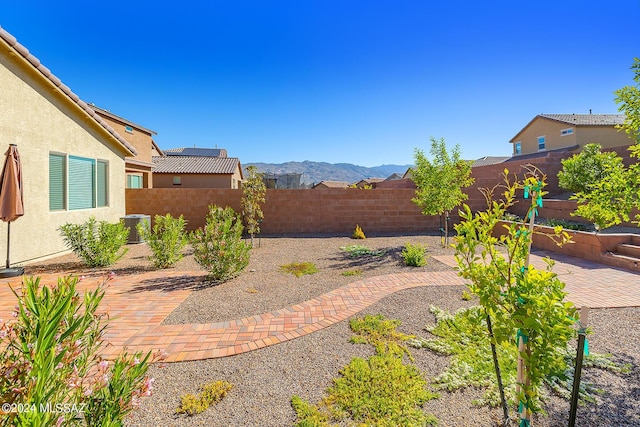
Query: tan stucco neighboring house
x=331 y=184
x=73 y=162
x=139 y=168
x=197 y=168
x=548 y=132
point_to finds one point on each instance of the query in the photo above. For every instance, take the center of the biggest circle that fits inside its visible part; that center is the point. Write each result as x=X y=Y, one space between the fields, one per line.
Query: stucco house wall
x=202 y=180
x=41 y=119
x=141 y=138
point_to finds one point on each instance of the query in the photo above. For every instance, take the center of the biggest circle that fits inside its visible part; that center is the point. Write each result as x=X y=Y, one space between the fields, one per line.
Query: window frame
x=177 y=180
x=517 y=147
x=134 y=175
x=567 y=131
x=63 y=182
x=544 y=143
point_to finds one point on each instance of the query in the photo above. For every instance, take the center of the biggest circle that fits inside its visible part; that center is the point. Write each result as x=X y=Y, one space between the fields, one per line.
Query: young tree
x=440 y=181
x=517 y=298
x=253 y=195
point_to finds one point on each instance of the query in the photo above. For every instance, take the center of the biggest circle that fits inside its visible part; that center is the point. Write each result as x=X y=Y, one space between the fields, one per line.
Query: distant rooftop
x=196 y=152
x=195 y=164
x=489 y=160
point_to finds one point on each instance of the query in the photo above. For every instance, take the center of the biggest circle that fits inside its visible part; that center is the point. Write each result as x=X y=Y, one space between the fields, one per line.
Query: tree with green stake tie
x=518 y=299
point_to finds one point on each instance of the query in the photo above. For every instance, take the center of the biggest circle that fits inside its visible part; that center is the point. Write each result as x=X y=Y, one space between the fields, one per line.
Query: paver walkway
x=137 y=305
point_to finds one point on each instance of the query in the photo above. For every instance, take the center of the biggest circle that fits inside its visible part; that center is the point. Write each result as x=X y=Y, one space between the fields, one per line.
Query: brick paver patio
x=137 y=305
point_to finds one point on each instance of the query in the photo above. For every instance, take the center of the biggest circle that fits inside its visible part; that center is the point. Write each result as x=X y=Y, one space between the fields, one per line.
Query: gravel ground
x=265 y=380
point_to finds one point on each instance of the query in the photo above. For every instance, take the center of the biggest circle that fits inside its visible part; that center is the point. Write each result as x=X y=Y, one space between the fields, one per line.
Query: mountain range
x=314 y=172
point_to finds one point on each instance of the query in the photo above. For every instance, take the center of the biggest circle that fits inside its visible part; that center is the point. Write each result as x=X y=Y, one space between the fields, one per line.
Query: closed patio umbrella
x=11 y=207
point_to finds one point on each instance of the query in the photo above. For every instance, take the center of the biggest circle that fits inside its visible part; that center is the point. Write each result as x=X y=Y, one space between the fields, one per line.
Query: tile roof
x=541 y=153
x=332 y=184
x=587 y=119
x=489 y=160
x=196 y=152
x=196 y=164
x=35 y=62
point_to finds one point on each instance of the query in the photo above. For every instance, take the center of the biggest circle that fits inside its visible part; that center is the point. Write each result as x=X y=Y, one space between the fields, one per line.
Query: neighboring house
x=331 y=184
x=396 y=180
x=489 y=160
x=196 y=168
x=367 y=183
x=555 y=131
x=73 y=162
x=139 y=167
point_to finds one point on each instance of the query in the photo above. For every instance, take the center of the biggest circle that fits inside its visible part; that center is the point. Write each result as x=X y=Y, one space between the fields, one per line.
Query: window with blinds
x=77 y=182
x=57 y=180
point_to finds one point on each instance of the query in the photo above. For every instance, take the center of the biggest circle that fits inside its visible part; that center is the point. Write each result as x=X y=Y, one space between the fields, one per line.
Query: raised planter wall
x=586 y=245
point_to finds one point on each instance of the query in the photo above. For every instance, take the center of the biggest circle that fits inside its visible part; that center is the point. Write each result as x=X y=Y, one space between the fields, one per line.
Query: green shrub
x=508 y=216
x=413 y=255
x=356 y=251
x=358 y=233
x=567 y=225
x=354 y=272
x=219 y=247
x=98 y=244
x=210 y=395
x=299 y=269
x=50 y=356
x=166 y=239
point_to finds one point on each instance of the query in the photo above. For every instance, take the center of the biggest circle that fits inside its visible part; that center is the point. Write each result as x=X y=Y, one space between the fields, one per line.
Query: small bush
x=511 y=217
x=380 y=391
x=51 y=355
x=299 y=269
x=166 y=239
x=358 y=233
x=413 y=255
x=466 y=296
x=219 y=247
x=210 y=395
x=356 y=251
x=567 y=225
x=98 y=244
x=354 y=272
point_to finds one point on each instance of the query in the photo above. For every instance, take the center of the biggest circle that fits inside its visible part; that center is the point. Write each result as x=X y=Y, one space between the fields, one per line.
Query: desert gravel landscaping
x=266 y=379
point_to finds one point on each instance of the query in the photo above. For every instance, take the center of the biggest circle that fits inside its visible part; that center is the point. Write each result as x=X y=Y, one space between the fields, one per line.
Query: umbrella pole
x=8 y=241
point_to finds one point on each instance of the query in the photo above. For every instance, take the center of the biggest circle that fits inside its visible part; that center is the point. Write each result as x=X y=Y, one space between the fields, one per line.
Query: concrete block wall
x=333 y=210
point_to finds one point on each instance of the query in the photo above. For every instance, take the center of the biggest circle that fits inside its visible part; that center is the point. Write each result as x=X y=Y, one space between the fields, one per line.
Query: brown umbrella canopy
x=11 y=187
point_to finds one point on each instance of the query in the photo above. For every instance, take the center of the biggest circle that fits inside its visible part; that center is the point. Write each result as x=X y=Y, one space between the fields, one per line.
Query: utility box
x=132 y=221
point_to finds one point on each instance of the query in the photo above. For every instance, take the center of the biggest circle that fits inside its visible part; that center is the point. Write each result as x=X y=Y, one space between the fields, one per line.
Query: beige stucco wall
x=40 y=119
x=606 y=136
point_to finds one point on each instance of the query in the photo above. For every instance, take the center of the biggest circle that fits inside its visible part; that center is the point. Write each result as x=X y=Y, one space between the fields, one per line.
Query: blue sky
x=361 y=82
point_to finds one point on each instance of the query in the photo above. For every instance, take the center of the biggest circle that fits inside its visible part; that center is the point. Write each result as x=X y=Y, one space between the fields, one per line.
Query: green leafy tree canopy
x=629 y=99
x=585 y=169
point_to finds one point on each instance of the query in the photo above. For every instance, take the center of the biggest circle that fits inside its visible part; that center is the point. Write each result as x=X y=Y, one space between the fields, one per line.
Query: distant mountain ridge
x=314 y=172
